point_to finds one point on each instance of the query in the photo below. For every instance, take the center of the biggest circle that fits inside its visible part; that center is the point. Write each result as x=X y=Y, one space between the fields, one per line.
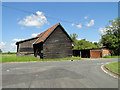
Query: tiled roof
x=41 y=37
x=45 y=34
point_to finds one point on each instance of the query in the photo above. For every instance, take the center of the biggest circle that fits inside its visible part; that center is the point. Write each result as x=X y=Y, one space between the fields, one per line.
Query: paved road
x=60 y=74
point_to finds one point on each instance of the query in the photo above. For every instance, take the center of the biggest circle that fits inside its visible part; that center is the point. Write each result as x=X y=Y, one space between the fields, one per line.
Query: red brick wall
x=105 y=52
x=97 y=53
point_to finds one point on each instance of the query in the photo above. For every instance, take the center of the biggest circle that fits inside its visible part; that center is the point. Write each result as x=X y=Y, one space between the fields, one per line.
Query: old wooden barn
x=52 y=43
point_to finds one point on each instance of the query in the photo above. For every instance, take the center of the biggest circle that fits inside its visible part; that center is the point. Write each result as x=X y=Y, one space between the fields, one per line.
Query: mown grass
x=115 y=67
x=111 y=57
x=14 y=58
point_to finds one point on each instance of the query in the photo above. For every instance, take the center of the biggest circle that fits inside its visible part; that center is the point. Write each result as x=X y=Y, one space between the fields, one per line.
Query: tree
x=74 y=38
x=111 y=38
x=0 y=51
x=81 y=44
x=97 y=44
x=9 y=52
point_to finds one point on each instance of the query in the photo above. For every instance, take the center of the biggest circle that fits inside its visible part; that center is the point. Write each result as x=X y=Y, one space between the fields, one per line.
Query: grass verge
x=115 y=67
x=14 y=58
x=111 y=57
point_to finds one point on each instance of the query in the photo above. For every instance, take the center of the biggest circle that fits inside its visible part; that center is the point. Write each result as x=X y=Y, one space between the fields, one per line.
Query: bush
x=107 y=57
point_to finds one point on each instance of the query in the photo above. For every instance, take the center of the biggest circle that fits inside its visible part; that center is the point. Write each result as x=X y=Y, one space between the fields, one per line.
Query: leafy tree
x=81 y=44
x=112 y=37
x=74 y=38
x=0 y=51
x=97 y=44
x=9 y=52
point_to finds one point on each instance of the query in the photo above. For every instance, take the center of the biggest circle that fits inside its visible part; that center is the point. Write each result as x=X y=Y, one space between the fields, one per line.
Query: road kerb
x=109 y=72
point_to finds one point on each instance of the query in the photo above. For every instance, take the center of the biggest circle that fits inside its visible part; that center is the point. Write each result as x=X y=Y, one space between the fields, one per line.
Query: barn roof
x=43 y=36
x=26 y=40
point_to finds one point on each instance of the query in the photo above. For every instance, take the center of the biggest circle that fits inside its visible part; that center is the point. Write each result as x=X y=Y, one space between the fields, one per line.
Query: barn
x=52 y=43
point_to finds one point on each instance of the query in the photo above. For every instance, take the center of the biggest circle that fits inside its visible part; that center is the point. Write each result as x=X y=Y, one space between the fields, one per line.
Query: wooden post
x=80 y=54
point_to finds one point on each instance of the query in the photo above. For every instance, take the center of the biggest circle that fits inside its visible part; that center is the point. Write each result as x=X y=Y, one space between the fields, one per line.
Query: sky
x=86 y=19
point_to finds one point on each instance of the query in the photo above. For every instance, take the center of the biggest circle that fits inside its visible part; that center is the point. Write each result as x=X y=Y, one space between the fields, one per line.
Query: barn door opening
x=85 y=53
x=35 y=50
x=38 y=50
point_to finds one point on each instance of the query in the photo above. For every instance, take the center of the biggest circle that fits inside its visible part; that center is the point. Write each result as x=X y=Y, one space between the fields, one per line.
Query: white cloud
x=79 y=26
x=13 y=47
x=79 y=39
x=16 y=40
x=72 y=24
x=92 y=22
x=102 y=30
x=34 y=20
x=86 y=17
x=5 y=47
x=39 y=13
x=95 y=41
x=2 y=44
x=34 y=34
x=13 y=44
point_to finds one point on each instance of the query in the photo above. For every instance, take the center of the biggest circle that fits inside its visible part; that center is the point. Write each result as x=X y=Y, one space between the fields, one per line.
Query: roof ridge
x=46 y=33
x=43 y=33
x=48 y=29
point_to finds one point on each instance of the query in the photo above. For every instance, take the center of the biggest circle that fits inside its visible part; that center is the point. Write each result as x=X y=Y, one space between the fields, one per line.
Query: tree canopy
x=111 y=38
x=82 y=44
x=0 y=51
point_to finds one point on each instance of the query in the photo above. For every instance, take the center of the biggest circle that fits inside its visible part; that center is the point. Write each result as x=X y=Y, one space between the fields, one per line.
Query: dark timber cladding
x=57 y=45
x=53 y=43
x=25 y=47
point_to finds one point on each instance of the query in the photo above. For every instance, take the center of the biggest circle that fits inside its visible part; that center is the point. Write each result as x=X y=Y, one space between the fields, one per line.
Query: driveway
x=58 y=74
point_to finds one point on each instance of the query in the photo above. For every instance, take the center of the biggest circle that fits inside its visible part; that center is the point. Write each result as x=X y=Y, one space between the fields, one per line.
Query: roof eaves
x=25 y=40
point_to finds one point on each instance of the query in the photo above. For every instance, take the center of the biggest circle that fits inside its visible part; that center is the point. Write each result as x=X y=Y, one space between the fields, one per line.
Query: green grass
x=111 y=57
x=14 y=58
x=115 y=67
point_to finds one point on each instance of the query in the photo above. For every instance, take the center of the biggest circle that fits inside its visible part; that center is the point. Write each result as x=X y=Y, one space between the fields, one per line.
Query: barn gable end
x=57 y=44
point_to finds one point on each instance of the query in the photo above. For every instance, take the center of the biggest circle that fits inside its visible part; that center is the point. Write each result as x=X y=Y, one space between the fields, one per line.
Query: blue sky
x=91 y=19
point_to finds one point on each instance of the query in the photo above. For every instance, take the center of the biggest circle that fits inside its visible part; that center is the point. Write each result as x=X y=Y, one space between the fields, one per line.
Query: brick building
x=92 y=53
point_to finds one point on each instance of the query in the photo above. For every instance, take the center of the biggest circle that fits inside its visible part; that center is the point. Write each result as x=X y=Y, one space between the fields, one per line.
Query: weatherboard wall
x=57 y=45
x=26 y=47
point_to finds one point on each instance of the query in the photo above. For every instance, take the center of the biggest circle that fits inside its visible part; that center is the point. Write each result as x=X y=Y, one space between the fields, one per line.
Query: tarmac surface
x=58 y=74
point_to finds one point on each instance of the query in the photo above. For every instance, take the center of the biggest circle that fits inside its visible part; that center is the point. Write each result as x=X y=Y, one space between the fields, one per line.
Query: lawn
x=115 y=67
x=14 y=58
x=111 y=57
